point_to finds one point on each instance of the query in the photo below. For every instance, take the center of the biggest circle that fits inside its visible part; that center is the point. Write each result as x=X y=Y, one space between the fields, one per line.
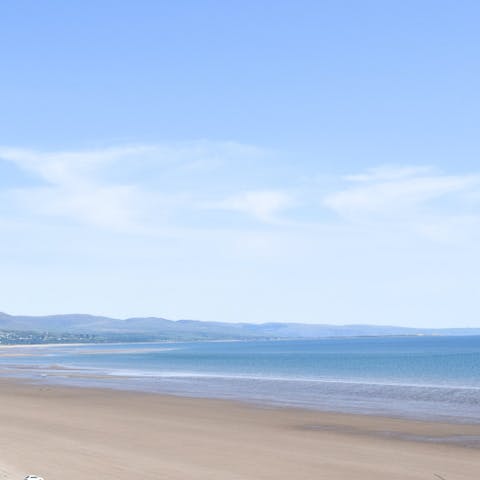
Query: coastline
x=56 y=430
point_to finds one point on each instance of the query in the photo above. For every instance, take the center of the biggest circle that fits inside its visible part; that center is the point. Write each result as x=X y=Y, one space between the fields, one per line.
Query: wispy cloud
x=83 y=185
x=392 y=192
x=153 y=188
x=70 y=167
x=264 y=205
x=72 y=187
x=389 y=173
x=419 y=200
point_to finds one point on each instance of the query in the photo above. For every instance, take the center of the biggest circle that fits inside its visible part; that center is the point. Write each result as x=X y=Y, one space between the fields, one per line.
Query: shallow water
x=416 y=377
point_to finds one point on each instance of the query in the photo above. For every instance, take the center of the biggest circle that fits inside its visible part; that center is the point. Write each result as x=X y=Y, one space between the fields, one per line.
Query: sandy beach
x=95 y=433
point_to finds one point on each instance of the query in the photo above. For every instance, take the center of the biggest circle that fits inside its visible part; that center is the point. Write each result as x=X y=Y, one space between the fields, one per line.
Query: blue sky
x=241 y=161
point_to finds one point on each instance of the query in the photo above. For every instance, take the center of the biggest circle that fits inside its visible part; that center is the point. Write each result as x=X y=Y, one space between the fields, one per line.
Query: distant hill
x=161 y=328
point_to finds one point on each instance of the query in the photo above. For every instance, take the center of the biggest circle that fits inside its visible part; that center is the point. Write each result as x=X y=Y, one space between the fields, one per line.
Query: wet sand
x=108 y=434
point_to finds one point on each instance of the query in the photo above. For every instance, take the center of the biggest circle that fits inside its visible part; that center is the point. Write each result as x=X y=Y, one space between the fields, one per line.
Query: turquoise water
x=420 y=377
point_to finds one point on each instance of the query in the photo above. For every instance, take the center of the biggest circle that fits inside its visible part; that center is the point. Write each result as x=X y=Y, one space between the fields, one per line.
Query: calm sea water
x=419 y=377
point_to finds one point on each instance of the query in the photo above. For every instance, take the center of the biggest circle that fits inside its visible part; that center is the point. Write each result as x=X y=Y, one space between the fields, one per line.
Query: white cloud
x=418 y=201
x=155 y=188
x=392 y=192
x=389 y=172
x=79 y=185
x=103 y=206
x=64 y=168
x=72 y=188
x=265 y=205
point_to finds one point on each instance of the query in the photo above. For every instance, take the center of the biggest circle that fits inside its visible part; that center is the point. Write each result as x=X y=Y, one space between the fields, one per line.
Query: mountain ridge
x=165 y=328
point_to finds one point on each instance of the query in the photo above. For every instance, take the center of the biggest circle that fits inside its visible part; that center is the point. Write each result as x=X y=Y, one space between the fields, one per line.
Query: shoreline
x=56 y=430
x=200 y=387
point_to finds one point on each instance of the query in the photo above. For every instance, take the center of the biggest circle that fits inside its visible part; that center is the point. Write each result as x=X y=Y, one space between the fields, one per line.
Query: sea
x=420 y=377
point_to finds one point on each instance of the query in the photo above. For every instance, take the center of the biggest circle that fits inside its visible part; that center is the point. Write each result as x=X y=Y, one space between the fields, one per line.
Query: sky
x=257 y=161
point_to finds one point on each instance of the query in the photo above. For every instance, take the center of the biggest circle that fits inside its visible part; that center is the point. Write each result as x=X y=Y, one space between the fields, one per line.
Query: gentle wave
x=193 y=375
